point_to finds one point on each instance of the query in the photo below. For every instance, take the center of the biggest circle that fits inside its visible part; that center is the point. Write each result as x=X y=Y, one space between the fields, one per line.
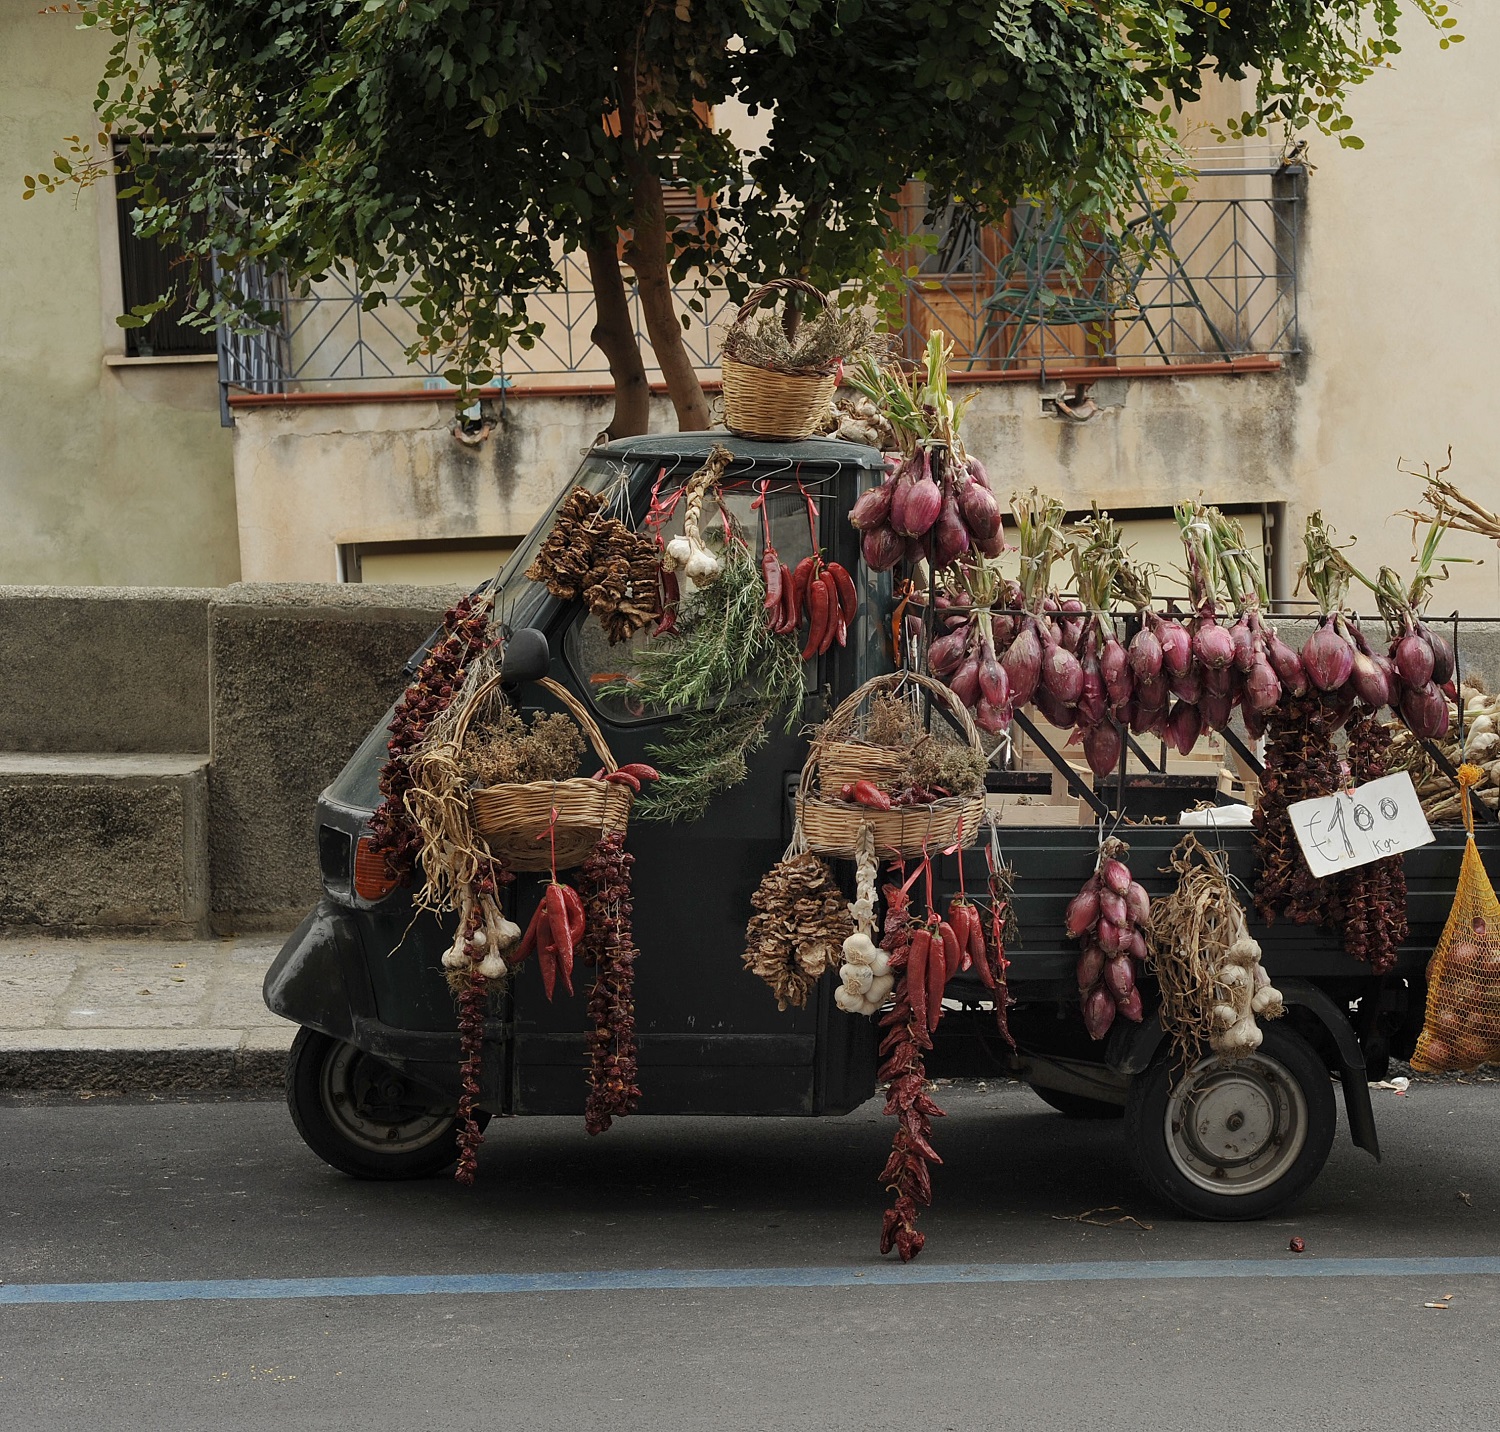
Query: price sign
x=1352 y=828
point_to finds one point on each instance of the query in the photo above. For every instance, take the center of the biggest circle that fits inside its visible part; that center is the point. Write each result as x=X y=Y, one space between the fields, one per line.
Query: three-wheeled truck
x=373 y=1075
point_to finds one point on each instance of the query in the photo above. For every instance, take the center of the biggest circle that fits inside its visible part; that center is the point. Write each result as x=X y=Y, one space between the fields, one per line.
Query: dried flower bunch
x=798 y=931
x=506 y=751
x=944 y=765
x=817 y=347
x=892 y=722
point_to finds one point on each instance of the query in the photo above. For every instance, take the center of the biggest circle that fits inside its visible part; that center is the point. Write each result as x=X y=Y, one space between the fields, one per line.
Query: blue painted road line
x=881 y=1275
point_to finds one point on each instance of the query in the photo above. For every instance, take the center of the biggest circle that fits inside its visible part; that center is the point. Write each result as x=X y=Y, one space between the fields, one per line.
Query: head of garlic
x=703 y=567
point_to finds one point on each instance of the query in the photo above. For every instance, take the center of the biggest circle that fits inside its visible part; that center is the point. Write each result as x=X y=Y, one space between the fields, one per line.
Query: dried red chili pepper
x=670 y=596
x=528 y=940
x=835 y=617
x=937 y=976
x=817 y=619
x=952 y=952
x=641 y=771
x=559 y=934
x=918 y=952
x=770 y=570
x=788 y=616
x=848 y=600
x=546 y=953
x=802 y=576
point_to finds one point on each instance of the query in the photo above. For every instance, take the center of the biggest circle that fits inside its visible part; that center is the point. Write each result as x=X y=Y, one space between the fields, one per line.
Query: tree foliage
x=461 y=144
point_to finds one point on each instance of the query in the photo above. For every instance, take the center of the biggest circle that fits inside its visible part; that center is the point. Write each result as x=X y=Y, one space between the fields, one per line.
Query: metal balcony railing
x=1210 y=279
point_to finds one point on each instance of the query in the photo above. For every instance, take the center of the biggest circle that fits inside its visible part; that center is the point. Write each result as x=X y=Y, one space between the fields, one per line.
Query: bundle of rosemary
x=729 y=676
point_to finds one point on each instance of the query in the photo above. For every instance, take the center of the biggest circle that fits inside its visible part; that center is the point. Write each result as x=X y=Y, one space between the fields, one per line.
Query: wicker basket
x=542 y=825
x=773 y=404
x=832 y=827
x=841 y=763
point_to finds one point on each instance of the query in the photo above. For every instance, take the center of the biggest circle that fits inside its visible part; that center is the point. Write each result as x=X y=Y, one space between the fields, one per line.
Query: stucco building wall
x=1401 y=303
x=112 y=470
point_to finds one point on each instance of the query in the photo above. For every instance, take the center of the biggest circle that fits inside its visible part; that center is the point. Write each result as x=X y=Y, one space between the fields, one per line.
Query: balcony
x=1202 y=285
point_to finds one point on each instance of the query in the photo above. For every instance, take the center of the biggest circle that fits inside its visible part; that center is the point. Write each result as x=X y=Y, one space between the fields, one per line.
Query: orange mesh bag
x=1462 y=1028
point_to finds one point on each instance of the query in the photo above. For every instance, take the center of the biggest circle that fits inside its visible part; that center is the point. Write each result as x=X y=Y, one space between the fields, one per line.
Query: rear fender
x=1133 y=1046
x=319 y=978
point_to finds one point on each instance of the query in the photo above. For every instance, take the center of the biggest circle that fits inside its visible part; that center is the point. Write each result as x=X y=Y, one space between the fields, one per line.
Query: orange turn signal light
x=373 y=879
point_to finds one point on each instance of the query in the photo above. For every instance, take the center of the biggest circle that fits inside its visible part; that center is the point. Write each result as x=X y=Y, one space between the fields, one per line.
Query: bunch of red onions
x=1001 y=644
x=933 y=504
x=1110 y=915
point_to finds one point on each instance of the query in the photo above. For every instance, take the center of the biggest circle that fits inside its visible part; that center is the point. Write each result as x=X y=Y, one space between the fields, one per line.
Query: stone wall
x=162 y=750
x=300 y=675
x=107 y=670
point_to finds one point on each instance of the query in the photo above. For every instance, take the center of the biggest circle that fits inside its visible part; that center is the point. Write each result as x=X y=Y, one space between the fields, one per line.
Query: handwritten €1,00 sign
x=1357 y=826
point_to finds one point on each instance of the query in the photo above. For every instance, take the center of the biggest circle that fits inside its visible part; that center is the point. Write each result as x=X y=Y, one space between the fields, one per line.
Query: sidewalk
x=138 y=1015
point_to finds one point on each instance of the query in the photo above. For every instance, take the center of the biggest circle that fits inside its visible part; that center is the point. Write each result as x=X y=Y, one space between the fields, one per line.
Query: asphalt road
x=112 y=1191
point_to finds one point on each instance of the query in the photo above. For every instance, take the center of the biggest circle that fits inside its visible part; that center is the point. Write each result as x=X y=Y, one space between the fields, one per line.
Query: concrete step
x=104 y=842
x=138 y=1016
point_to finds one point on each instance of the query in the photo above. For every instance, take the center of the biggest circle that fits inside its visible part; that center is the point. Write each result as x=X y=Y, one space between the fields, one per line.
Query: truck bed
x=1052 y=863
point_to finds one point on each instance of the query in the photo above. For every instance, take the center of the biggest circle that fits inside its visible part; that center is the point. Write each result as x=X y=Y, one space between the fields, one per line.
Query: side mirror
x=527 y=657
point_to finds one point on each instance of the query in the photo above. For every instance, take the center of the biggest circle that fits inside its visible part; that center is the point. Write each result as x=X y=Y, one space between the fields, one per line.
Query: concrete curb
x=143 y=1071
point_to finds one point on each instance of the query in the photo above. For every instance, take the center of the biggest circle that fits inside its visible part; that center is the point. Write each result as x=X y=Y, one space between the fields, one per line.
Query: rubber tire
x=1077 y=1106
x=312 y=1050
x=1146 y=1139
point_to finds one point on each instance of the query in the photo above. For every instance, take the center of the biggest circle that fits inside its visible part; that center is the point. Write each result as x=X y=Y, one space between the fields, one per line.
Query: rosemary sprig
x=730 y=679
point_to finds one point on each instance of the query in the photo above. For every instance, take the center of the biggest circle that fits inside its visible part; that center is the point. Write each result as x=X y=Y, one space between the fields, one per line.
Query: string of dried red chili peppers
x=906 y=1039
x=473 y=1004
x=609 y=947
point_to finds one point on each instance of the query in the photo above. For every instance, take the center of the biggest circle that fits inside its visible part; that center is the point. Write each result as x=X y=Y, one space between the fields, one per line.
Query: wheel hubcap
x=1236 y=1128
x=373 y=1106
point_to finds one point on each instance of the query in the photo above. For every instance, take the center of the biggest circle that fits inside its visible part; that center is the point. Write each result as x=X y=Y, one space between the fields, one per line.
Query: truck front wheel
x=364 y=1117
x=1237 y=1140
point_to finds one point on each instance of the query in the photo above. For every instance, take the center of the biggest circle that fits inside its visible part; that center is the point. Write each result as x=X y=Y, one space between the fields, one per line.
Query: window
x=148 y=270
x=464 y=561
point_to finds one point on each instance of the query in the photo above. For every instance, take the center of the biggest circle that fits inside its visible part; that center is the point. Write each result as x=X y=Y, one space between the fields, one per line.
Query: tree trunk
x=614 y=336
x=646 y=253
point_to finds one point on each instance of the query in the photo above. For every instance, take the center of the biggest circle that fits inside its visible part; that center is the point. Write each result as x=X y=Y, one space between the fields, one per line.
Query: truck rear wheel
x=1233 y=1141
x=364 y=1117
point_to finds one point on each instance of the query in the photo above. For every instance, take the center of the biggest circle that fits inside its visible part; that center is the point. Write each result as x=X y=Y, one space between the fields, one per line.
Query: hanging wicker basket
x=841 y=763
x=545 y=825
x=775 y=404
x=832 y=827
